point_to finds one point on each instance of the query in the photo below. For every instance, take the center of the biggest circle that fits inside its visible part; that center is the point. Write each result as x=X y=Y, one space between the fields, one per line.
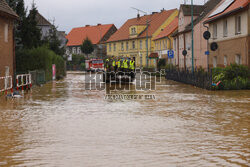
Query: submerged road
x=63 y=124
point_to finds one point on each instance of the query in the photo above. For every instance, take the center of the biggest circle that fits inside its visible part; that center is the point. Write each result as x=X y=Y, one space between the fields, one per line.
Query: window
x=6 y=32
x=79 y=50
x=225 y=29
x=215 y=61
x=67 y=51
x=215 y=31
x=110 y=47
x=146 y=45
x=238 y=25
x=133 y=44
x=74 y=50
x=126 y=45
x=175 y=44
x=140 y=44
x=114 y=46
x=133 y=31
x=238 y=59
x=122 y=46
x=225 y=60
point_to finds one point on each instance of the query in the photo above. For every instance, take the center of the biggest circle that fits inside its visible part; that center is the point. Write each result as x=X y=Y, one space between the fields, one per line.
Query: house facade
x=7 y=43
x=164 y=41
x=98 y=34
x=183 y=37
x=230 y=29
x=135 y=38
x=45 y=26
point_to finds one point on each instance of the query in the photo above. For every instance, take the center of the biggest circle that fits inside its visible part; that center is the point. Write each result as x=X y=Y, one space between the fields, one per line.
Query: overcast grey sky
x=77 y=13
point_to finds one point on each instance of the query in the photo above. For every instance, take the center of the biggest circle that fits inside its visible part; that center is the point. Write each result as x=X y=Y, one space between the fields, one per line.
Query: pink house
x=182 y=37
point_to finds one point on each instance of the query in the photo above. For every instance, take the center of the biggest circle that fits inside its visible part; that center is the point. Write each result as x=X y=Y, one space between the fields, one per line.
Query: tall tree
x=12 y=4
x=87 y=47
x=31 y=34
x=54 y=42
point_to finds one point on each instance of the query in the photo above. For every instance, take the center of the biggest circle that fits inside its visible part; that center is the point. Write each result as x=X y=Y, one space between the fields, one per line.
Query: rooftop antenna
x=139 y=10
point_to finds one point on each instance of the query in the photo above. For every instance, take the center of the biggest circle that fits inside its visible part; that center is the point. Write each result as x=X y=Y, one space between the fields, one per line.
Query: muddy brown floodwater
x=62 y=124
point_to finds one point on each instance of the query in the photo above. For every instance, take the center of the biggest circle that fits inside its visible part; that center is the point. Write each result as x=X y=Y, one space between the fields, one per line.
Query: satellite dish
x=214 y=46
x=207 y=35
x=184 y=53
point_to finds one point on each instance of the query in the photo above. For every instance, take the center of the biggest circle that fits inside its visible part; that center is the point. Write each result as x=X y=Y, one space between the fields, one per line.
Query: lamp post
x=192 y=25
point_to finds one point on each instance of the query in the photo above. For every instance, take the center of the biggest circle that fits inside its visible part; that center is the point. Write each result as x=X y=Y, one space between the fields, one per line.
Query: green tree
x=30 y=34
x=12 y=4
x=87 y=47
x=53 y=41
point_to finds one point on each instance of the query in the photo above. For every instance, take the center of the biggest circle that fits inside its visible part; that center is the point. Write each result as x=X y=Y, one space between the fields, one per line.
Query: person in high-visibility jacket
x=125 y=65
x=122 y=64
x=132 y=65
x=119 y=65
x=113 y=64
x=107 y=63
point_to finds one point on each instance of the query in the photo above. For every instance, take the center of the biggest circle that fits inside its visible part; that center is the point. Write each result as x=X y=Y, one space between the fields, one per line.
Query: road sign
x=207 y=35
x=214 y=46
x=170 y=54
x=184 y=52
x=207 y=53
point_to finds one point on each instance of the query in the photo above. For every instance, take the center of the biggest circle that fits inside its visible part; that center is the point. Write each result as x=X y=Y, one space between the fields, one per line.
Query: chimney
x=162 y=9
x=99 y=24
x=138 y=16
x=87 y=25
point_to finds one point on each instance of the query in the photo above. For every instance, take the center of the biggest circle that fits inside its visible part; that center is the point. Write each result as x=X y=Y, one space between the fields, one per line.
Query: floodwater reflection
x=62 y=124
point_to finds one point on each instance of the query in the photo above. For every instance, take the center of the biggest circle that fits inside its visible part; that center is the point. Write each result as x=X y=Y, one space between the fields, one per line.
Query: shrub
x=77 y=61
x=233 y=77
x=40 y=58
x=161 y=63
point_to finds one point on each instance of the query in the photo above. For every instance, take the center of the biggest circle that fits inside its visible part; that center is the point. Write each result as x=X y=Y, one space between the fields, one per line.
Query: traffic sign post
x=170 y=55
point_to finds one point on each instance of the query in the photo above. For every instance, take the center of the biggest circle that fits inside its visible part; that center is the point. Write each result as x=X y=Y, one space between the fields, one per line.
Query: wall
x=233 y=44
x=6 y=48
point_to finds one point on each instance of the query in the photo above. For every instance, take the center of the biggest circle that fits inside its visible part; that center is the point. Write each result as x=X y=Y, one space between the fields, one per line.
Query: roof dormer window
x=133 y=31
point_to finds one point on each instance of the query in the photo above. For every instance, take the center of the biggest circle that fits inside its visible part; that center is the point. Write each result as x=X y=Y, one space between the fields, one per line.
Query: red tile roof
x=156 y=20
x=4 y=8
x=237 y=4
x=94 y=33
x=168 y=30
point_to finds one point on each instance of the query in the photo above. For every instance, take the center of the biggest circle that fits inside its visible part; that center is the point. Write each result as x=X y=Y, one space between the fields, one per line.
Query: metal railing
x=6 y=83
x=23 y=80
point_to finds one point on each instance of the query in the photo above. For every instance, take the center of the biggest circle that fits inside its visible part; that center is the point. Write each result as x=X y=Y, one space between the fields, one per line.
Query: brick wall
x=6 y=48
x=231 y=48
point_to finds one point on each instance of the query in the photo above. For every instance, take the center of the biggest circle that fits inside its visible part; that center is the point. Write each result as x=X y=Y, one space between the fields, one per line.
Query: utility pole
x=192 y=22
x=138 y=10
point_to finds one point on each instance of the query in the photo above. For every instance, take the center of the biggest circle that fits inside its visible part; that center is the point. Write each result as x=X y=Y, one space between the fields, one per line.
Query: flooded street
x=62 y=124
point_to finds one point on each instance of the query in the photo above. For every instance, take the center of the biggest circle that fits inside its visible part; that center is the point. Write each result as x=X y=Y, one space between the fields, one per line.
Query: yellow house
x=131 y=39
x=164 y=42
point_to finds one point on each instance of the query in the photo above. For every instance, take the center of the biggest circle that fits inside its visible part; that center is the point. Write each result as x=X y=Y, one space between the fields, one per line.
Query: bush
x=77 y=61
x=161 y=63
x=40 y=58
x=233 y=77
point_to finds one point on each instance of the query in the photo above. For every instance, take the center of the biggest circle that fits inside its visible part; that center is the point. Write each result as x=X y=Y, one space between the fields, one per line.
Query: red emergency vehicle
x=94 y=65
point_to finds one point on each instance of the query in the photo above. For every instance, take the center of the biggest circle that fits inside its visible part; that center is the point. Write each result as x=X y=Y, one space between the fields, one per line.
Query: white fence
x=23 y=80
x=6 y=83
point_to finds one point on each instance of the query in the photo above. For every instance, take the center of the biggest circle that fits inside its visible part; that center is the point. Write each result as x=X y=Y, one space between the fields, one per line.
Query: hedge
x=40 y=58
